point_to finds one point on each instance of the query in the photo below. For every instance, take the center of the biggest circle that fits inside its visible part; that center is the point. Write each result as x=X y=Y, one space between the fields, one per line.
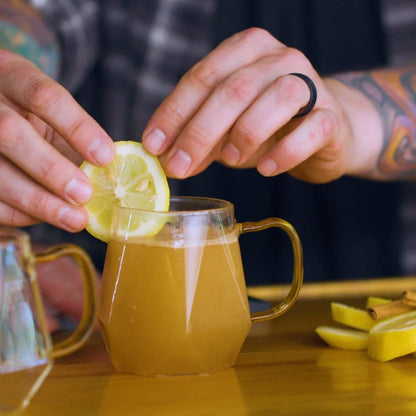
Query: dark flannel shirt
x=140 y=48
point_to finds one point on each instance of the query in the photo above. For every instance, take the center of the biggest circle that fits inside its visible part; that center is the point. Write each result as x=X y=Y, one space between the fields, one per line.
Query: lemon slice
x=347 y=339
x=350 y=316
x=135 y=179
x=393 y=337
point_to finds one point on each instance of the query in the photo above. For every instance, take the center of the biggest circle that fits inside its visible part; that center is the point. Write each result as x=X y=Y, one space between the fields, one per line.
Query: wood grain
x=283 y=369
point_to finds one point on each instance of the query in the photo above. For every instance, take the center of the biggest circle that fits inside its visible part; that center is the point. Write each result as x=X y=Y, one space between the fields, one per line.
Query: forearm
x=381 y=108
x=23 y=31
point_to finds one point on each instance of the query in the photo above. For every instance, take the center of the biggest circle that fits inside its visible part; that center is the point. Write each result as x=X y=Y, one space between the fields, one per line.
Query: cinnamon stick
x=386 y=310
x=409 y=297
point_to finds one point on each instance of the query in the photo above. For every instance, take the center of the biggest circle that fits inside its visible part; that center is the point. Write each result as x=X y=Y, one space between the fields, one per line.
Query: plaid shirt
x=141 y=48
x=399 y=18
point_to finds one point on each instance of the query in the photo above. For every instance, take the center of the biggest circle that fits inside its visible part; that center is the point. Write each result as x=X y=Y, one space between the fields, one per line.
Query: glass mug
x=26 y=350
x=175 y=302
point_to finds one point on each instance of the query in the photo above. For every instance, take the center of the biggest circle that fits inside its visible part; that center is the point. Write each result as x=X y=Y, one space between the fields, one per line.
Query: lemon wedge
x=135 y=179
x=351 y=316
x=347 y=339
x=393 y=337
x=375 y=301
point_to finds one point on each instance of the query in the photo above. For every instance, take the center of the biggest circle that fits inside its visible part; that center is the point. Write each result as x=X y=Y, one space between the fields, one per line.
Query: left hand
x=60 y=283
x=236 y=106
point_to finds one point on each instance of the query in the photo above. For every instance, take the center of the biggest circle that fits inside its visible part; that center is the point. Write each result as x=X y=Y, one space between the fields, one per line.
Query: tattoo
x=22 y=30
x=393 y=94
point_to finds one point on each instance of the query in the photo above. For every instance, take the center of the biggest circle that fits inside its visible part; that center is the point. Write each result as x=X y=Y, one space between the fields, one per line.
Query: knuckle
x=257 y=36
x=37 y=203
x=203 y=75
x=9 y=137
x=199 y=137
x=77 y=128
x=239 y=87
x=246 y=135
x=11 y=217
x=176 y=117
x=40 y=93
x=295 y=56
x=47 y=170
x=290 y=89
x=8 y=61
x=325 y=124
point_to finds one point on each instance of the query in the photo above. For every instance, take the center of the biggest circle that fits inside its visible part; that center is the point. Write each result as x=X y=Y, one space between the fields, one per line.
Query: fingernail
x=179 y=163
x=267 y=167
x=154 y=140
x=72 y=219
x=231 y=154
x=78 y=191
x=101 y=152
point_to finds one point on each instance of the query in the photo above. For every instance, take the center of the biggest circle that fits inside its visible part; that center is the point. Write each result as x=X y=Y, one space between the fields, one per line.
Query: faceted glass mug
x=26 y=350
x=175 y=302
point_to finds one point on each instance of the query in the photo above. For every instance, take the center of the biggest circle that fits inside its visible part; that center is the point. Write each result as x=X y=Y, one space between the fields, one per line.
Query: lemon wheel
x=135 y=179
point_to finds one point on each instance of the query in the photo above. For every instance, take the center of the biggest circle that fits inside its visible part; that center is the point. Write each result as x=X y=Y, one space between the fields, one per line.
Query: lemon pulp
x=393 y=337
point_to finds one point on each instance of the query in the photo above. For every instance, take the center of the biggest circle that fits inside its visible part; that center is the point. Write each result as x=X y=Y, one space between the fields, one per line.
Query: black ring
x=312 y=90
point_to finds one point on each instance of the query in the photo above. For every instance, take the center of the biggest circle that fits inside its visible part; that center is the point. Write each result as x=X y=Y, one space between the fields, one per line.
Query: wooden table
x=283 y=369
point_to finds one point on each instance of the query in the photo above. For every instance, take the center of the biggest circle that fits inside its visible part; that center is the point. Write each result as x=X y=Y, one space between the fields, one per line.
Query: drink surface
x=168 y=309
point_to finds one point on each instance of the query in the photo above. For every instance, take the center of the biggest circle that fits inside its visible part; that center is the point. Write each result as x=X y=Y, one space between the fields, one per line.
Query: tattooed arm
x=23 y=30
x=384 y=132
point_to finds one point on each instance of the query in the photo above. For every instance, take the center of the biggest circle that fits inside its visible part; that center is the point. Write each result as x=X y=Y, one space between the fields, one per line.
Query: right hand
x=237 y=106
x=44 y=135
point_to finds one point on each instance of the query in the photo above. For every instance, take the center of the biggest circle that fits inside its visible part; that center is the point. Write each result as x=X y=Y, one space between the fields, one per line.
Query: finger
x=309 y=137
x=21 y=192
x=197 y=84
x=63 y=290
x=13 y=217
x=25 y=85
x=274 y=108
x=46 y=132
x=51 y=314
x=52 y=323
x=219 y=113
x=21 y=144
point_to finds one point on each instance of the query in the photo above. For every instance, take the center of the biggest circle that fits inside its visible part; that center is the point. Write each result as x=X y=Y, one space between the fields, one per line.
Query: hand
x=44 y=134
x=236 y=106
x=60 y=282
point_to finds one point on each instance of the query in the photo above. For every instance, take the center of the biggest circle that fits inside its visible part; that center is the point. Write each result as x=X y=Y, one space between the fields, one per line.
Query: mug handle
x=78 y=338
x=297 y=279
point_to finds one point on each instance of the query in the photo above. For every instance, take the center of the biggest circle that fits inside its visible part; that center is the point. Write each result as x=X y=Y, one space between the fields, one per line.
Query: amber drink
x=174 y=310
